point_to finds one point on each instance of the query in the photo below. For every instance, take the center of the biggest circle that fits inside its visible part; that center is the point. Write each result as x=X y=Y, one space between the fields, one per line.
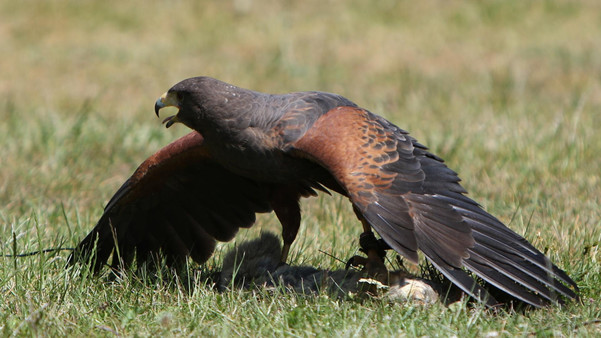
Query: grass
x=508 y=92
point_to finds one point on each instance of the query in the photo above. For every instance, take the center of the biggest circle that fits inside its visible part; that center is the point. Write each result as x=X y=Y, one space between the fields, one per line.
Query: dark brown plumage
x=252 y=152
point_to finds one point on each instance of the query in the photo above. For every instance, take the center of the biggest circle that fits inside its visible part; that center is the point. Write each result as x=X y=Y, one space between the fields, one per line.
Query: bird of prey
x=251 y=152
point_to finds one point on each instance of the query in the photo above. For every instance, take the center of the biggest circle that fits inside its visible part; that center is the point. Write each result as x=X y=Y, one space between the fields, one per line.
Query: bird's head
x=202 y=102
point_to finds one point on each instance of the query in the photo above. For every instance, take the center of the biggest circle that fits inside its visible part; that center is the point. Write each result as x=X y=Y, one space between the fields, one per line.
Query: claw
x=373 y=267
x=356 y=261
x=368 y=242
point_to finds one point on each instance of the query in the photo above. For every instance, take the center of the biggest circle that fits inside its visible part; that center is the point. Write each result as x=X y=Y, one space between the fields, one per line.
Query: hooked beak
x=168 y=99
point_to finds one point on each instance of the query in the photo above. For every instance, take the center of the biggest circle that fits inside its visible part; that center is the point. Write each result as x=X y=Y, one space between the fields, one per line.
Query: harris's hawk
x=252 y=152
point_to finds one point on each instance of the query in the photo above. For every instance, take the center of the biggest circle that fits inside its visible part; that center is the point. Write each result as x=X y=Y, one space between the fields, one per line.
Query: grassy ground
x=508 y=92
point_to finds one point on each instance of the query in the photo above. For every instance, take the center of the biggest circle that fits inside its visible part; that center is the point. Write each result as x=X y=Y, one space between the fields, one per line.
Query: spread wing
x=177 y=202
x=414 y=201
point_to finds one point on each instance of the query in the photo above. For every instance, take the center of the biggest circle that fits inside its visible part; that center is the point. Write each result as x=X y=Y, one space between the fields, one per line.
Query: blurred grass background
x=508 y=92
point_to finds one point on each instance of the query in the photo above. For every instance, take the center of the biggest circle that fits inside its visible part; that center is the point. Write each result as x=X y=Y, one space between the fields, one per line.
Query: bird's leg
x=375 y=250
x=290 y=226
x=373 y=264
x=284 y=202
x=285 y=251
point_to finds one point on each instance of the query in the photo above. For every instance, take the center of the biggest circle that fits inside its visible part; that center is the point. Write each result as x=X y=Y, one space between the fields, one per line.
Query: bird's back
x=259 y=150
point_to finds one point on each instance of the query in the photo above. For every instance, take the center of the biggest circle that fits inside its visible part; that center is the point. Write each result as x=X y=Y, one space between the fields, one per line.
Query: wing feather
x=178 y=202
x=414 y=201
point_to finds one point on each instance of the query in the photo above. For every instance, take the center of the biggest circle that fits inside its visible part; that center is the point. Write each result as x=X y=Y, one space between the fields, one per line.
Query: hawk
x=251 y=152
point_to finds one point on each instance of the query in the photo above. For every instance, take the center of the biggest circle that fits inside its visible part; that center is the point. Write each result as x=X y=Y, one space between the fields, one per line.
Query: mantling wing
x=178 y=202
x=414 y=201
